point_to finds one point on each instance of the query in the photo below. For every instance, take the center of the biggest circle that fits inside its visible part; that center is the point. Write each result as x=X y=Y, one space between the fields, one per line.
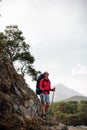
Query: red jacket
x=45 y=85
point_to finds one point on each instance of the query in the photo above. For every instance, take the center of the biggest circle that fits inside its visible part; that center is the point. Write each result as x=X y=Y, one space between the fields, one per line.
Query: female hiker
x=45 y=87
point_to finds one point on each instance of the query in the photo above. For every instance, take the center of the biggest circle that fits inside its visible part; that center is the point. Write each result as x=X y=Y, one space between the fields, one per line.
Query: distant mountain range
x=77 y=98
x=63 y=92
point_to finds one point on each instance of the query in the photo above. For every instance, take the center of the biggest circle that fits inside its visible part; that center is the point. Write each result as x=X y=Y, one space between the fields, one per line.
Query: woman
x=45 y=87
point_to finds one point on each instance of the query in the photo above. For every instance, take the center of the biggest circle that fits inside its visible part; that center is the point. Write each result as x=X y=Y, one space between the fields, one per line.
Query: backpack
x=38 y=91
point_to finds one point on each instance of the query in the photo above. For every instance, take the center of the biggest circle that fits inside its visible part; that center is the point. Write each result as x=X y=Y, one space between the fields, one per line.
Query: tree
x=82 y=107
x=13 y=43
x=70 y=112
x=71 y=107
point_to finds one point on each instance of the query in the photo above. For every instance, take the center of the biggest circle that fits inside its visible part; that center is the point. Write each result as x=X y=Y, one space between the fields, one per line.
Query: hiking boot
x=47 y=115
x=43 y=115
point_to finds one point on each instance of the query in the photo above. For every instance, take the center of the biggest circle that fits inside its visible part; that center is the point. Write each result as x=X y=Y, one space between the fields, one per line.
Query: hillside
x=77 y=98
x=63 y=92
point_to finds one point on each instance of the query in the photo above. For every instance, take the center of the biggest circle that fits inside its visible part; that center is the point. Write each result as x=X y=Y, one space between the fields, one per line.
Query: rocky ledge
x=16 y=122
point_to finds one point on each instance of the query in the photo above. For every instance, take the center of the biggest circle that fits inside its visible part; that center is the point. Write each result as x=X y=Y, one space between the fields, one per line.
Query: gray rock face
x=15 y=93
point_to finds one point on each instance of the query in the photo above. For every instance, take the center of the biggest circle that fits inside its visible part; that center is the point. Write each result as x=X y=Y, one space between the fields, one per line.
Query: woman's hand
x=54 y=89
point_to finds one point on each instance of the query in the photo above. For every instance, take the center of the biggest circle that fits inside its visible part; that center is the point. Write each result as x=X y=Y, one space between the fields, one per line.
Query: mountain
x=63 y=92
x=77 y=98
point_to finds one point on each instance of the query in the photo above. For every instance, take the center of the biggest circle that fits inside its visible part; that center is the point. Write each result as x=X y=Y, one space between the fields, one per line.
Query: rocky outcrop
x=19 y=105
x=15 y=93
x=15 y=122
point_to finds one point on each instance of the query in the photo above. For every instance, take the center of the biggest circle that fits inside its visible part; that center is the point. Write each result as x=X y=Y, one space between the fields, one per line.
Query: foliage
x=82 y=106
x=70 y=112
x=13 y=44
x=72 y=119
x=82 y=118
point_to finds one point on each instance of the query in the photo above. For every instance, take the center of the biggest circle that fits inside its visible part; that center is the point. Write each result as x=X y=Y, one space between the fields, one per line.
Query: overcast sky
x=56 y=30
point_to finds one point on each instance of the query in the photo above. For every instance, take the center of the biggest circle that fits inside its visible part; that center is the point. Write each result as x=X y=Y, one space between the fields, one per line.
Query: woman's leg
x=47 y=102
x=47 y=106
x=42 y=96
x=43 y=107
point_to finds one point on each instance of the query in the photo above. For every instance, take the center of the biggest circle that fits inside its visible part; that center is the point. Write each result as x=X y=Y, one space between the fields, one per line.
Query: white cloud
x=79 y=69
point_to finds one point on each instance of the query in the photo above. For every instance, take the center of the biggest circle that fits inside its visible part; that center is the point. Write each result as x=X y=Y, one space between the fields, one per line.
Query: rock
x=15 y=95
x=15 y=122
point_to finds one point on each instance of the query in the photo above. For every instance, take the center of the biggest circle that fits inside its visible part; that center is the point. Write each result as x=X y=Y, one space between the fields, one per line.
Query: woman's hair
x=46 y=73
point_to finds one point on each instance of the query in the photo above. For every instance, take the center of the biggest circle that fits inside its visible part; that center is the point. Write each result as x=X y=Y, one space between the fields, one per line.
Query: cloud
x=79 y=69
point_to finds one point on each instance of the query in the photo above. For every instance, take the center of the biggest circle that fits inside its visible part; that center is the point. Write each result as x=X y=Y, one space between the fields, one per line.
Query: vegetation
x=13 y=45
x=70 y=112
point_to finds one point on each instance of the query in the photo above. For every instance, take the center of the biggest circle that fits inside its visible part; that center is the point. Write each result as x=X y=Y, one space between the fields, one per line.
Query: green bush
x=72 y=119
x=82 y=118
x=70 y=113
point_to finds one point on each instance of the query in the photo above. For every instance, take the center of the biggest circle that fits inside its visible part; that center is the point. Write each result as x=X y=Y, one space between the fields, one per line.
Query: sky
x=56 y=31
